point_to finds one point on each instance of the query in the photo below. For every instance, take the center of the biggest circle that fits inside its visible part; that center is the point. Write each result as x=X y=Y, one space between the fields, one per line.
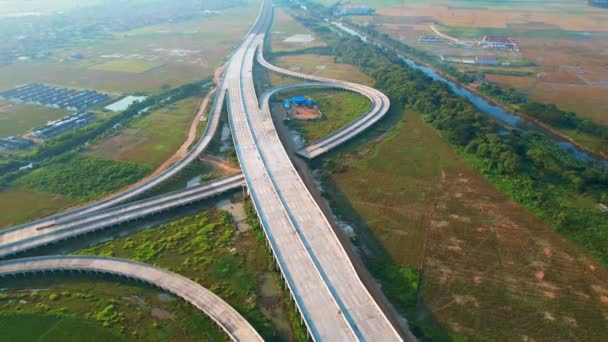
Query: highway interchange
x=333 y=302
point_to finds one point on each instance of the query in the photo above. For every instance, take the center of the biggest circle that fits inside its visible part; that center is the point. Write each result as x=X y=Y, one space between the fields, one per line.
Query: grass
x=68 y=308
x=19 y=205
x=129 y=66
x=152 y=139
x=85 y=178
x=207 y=249
x=338 y=108
x=284 y=27
x=39 y=327
x=17 y=119
x=324 y=66
x=482 y=257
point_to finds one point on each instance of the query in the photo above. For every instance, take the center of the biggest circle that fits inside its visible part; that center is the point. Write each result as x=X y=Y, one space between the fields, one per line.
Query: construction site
x=301 y=108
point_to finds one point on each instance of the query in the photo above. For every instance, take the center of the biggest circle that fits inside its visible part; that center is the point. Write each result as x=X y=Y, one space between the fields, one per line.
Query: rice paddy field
x=140 y=60
x=151 y=139
x=18 y=119
x=565 y=42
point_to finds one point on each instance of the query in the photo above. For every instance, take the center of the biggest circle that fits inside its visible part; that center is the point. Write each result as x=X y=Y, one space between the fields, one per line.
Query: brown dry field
x=517 y=82
x=491 y=269
x=490 y=261
x=573 y=73
x=304 y=113
x=593 y=20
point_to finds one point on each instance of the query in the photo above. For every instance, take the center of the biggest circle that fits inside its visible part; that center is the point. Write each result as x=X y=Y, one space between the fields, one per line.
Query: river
x=486 y=107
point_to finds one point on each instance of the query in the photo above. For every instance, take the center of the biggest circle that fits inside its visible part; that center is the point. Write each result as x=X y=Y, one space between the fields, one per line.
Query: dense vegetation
x=75 y=139
x=531 y=168
x=81 y=177
x=547 y=113
x=207 y=249
x=504 y=95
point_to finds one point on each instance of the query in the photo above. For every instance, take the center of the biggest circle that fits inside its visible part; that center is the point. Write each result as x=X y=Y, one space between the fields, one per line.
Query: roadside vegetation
x=100 y=308
x=207 y=248
x=85 y=178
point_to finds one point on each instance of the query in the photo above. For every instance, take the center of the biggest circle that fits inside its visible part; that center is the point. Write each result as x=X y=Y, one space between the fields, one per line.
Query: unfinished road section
x=224 y=315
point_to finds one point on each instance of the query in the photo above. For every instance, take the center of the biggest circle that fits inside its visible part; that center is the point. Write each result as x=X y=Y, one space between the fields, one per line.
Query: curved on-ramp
x=206 y=301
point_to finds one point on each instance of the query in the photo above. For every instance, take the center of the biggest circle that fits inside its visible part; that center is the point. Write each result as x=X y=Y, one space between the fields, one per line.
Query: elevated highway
x=333 y=302
x=20 y=240
x=327 y=290
x=226 y=317
x=143 y=187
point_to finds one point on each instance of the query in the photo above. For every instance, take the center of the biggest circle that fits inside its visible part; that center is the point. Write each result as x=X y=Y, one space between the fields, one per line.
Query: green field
x=129 y=66
x=338 y=108
x=42 y=328
x=85 y=178
x=284 y=27
x=19 y=205
x=17 y=119
x=98 y=309
x=151 y=139
x=429 y=209
x=325 y=66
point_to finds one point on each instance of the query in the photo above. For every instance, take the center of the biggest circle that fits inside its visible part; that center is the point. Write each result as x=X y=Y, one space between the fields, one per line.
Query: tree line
x=528 y=166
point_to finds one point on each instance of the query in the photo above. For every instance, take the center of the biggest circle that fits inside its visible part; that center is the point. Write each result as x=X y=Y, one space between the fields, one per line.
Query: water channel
x=486 y=107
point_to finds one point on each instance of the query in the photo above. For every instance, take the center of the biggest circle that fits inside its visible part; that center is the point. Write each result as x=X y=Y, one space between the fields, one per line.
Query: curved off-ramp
x=206 y=301
x=379 y=108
